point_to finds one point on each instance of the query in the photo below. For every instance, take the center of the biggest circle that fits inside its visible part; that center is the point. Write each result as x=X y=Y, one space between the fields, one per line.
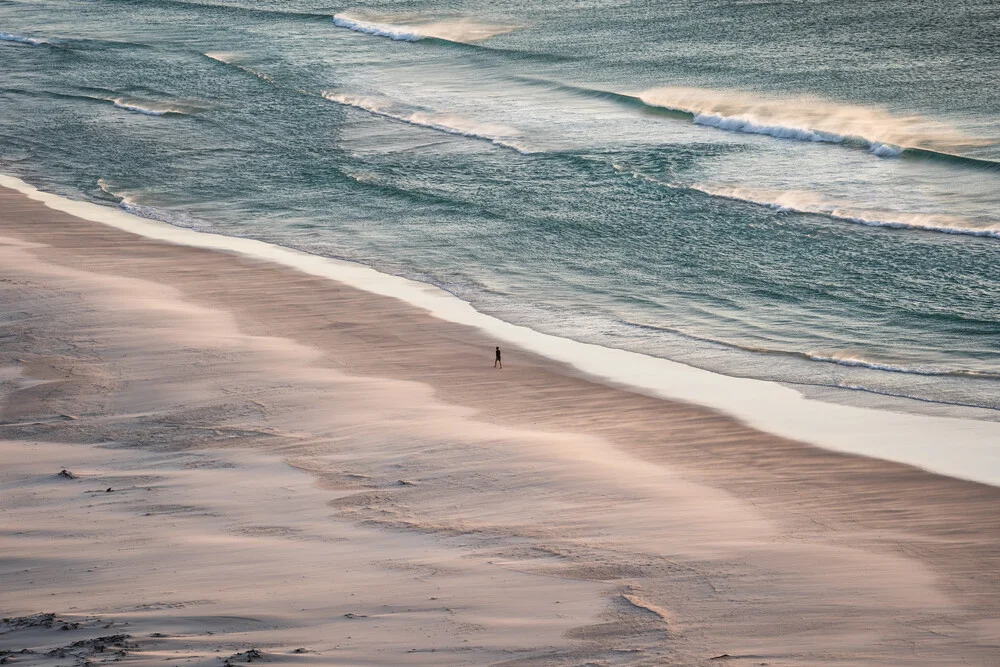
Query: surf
x=806 y=119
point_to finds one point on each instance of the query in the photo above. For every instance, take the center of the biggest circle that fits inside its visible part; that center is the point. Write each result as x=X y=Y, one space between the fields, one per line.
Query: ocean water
x=806 y=192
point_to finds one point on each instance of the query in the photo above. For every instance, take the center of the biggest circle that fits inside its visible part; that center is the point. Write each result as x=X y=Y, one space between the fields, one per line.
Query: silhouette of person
x=498 y=362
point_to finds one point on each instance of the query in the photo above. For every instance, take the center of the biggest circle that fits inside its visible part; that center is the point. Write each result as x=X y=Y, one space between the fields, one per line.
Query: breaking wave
x=883 y=134
x=810 y=119
x=498 y=135
x=461 y=31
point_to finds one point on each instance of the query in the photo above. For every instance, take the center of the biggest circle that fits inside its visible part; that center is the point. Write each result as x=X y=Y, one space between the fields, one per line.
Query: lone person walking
x=498 y=362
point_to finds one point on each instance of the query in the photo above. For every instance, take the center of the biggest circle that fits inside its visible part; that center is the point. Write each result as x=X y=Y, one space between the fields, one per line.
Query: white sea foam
x=962 y=448
x=22 y=39
x=809 y=119
x=808 y=202
x=499 y=135
x=749 y=126
x=414 y=29
x=398 y=33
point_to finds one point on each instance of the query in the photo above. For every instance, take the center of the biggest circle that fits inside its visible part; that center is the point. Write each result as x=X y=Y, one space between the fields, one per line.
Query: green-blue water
x=802 y=191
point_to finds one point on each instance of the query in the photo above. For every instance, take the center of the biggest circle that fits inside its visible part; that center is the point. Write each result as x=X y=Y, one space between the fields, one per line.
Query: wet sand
x=350 y=476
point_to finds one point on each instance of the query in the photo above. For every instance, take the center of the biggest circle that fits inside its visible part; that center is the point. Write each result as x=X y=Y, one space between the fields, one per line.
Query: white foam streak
x=856 y=361
x=443 y=122
x=135 y=107
x=809 y=119
x=962 y=448
x=461 y=31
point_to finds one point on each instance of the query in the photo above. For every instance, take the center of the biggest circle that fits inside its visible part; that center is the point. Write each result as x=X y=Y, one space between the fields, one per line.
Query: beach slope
x=263 y=464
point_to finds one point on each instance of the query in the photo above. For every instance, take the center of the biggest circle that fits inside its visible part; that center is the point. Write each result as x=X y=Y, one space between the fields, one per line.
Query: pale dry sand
x=295 y=464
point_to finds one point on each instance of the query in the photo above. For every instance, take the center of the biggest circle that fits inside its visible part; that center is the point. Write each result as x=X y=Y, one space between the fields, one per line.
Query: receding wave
x=498 y=135
x=807 y=202
x=23 y=39
x=126 y=201
x=461 y=31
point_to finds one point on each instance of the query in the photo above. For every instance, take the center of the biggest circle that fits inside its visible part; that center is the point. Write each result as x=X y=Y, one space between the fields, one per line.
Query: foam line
x=962 y=448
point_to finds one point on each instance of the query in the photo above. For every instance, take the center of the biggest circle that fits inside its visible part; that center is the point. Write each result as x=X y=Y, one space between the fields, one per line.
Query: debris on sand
x=67 y=474
x=246 y=656
x=353 y=615
x=33 y=621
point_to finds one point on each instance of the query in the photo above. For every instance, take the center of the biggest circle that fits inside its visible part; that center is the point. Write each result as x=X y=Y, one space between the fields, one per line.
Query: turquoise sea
x=803 y=191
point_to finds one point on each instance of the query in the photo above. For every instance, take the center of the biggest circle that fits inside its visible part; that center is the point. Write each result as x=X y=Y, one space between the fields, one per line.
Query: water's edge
x=961 y=448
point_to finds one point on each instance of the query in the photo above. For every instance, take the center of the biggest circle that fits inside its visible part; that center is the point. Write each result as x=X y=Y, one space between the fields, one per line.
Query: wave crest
x=227 y=58
x=461 y=31
x=498 y=135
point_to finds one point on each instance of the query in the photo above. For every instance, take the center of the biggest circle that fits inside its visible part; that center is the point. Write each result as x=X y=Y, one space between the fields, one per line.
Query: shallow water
x=804 y=192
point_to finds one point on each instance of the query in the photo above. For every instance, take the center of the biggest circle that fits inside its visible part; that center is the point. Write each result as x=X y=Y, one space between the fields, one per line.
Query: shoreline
x=632 y=528
x=773 y=407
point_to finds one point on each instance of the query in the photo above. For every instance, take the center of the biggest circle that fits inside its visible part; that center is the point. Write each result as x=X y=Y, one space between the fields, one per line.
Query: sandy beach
x=266 y=465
